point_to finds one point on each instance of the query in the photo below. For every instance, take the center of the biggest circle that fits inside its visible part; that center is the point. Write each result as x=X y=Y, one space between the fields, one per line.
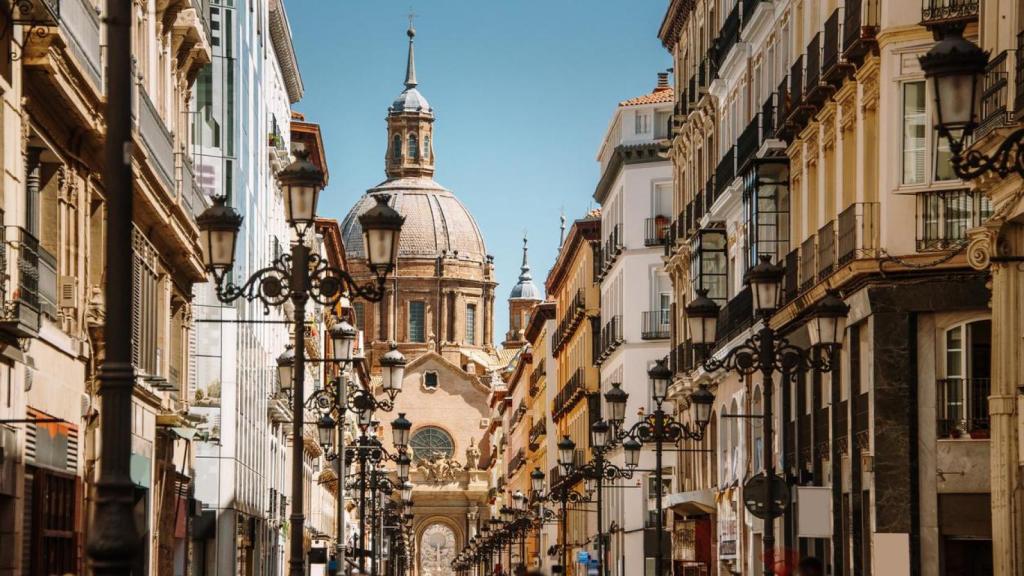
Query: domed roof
x=410 y=100
x=525 y=289
x=436 y=222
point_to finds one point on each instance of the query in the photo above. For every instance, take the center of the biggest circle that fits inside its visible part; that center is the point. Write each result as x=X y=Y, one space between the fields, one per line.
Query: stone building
x=438 y=310
x=803 y=134
x=54 y=215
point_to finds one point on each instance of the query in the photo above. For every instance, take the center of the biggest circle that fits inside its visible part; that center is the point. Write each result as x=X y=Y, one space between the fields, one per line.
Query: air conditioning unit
x=68 y=291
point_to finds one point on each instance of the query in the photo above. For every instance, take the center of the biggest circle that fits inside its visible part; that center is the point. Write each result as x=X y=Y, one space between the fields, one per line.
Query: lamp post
x=768 y=352
x=299 y=277
x=658 y=428
x=599 y=470
x=563 y=495
x=955 y=67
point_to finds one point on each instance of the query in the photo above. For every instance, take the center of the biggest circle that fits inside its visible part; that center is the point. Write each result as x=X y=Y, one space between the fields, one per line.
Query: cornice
x=281 y=37
x=624 y=155
x=672 y=25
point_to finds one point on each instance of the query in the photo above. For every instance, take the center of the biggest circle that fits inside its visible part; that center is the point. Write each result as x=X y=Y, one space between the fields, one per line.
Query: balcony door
x=964 y=389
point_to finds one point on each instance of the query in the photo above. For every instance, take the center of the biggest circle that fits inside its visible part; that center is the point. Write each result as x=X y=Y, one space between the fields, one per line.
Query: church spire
x=524 y=270
x=410 y=64
x=525 y=289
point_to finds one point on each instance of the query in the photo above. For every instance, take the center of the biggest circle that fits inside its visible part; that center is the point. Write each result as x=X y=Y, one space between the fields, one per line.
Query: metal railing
x=656 y=230
x=813 y=69
x=860 y=25
x=963 y=407
x=826 y=249
x=791 y=278
x=858 y=231
x=749 y=7
x=728 y=35
x=796 y=84
x=570 y=393
x=655 y=324
x=611 y=336
x=807 y=269
x=1018 y=75
x=81 y=23
x=157 y=138
x=537 y=431
x=725 y=172
x=832 y=49
x=943 y=217
x=20 y=292
x=936 y=12
x=783 y=108
x=748 y=143
x=736 y=315
x=994 y=92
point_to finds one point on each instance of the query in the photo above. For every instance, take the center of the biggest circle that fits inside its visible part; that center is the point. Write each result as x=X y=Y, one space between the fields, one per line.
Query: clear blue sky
x=523 y=91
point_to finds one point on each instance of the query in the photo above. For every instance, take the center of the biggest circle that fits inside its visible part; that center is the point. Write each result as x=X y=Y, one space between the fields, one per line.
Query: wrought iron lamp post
x=564 y=496
x=768 y=352
x=955 y=67
x=299 y=276
x=658 y=428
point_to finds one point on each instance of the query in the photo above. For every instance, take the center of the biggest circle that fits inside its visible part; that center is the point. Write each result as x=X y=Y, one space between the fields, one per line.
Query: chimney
x=662 y=82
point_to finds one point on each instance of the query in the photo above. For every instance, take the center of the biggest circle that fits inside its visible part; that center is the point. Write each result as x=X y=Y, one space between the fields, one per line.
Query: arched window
x=426 y=146
x=430 y=442
x=396 y=147
x=414 y=147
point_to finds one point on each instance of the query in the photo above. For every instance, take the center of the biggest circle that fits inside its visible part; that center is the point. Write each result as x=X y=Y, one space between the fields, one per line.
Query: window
x=417 y=321
x=145 y=305
x=943 y=217
x=921 y=144
x=963 y=393
x=360 y=310
x=662 y=124
x=709 y=263
x=430 y=380
x=652 y=495
x=641 y=123
x=471 y=324
x=430 y=442
x=426 y=146
x=396 y=147
x=766 y=203
x=414 y=147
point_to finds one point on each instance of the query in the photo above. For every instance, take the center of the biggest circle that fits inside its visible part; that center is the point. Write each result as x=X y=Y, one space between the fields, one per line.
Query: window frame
x=422 y=335
x=699 y=256
x=471 y=315
x=933 y=144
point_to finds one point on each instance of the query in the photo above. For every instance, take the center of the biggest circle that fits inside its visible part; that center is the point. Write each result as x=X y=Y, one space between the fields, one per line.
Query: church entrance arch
x=437 y=550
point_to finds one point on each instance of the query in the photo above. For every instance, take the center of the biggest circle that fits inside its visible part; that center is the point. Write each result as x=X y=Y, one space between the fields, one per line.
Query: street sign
x=755 y=496
x=582 y=556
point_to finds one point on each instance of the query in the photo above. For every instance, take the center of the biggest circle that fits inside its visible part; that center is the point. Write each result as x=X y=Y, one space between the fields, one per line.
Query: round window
x=430 y=442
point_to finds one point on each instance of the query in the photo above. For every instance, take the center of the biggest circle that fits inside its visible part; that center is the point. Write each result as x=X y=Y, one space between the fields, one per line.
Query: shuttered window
x=145 y=304
x=417 y=322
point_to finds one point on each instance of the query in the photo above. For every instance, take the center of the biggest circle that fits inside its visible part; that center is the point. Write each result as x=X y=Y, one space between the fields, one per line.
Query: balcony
x=656 y=230
x=963 y=407
x=943 y=217
x=569 y=395
x=783 y=110
x=21 y=284
x=807 y=269
x=736 y=315
x=798 y=111
x=791 y=279
x=192 y=197
x=748 y=143
x=994 y=93
x=691 y=92
x=611 y=248
x=157 y=140
x=80 y=22
x=655 y=324
x=1018 y=76
x=943 y=13
x=826 y=250
x=816 y=91
x=516 y=462
x=725 y=172
x=858 y=232
x=536 y=376
x=834 y=67
x=538 y=431
x=611 y=337
x=860 y=26
x=749 y=7
x=572 y=317
x=709 y=195
x=727 y=36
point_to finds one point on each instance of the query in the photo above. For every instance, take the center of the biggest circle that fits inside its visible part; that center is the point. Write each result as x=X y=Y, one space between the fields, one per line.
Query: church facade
x=438 y=311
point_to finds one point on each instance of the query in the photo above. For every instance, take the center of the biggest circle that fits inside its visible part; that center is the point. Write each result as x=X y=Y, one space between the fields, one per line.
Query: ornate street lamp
x=400 y=428
x=765 y=281
x=702 y=319
x=325 y=429
x=828 y=321
x=219 y=226
x=537 y=482
x=566 y=448
x=392 y=365
x=301 y=182
x=343 y=339
x=286 y=369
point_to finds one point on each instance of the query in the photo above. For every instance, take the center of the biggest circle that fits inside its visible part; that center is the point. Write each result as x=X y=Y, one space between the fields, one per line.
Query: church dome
x=525 y=289
x=410 y=100
x=436 y=222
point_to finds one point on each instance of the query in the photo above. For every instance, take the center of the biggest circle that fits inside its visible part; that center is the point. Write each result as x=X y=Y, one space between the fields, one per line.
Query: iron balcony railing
x=860 y=26
x=710 y=194
x=691 y=92
x=612 y=247
x=571 y=319
x=656 y=230
x=157 y=139
x=943 y=217
x=963 y=407
x=1018 y=76
x=783 y=108
x=749 y=7
x=725 y=172
x=796 y=92
x=813 y=68
x=538 y=431
x=833 y=65
x=994 y=92
x=945 y=12
x=858 y=232
x=791 y=278
x=611 y=336
x=807 y=269
x=736 y=315
x=571 y=392
x=826 y=250
x=655 y=324
x=538 y=373
x=748 y=143
x=516 y=462
x=728 y=35
x=21 y=283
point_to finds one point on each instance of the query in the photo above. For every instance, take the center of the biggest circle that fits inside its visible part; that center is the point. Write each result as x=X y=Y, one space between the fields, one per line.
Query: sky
x=523 y=91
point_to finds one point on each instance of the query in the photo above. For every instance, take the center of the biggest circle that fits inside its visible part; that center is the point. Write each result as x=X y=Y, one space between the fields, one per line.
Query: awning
x=693 y=503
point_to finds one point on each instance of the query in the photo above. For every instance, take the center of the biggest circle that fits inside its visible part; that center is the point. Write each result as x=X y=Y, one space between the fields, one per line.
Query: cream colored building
x=805 y=135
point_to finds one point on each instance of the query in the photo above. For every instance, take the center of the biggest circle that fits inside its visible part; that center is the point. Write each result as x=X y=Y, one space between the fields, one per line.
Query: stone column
x=471 y=516
x=994 y=247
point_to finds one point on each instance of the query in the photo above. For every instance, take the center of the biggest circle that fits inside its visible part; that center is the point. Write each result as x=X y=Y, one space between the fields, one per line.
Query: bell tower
x=525 y=295
x=410 y=152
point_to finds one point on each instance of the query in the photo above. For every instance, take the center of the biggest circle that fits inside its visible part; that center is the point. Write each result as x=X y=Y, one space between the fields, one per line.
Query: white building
x=242 y=125
x=635 y=192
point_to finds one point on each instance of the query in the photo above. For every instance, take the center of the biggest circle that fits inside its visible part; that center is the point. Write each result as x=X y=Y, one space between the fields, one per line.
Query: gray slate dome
x=525 y=289
x=410 y=100
x=436 y=222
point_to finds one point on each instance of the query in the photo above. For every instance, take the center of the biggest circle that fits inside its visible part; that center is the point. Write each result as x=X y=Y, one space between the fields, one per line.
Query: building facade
x=635 y=193
x=804 y=136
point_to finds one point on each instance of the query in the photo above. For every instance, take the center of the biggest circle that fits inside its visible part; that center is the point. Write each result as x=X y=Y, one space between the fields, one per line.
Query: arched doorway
x=436 y=550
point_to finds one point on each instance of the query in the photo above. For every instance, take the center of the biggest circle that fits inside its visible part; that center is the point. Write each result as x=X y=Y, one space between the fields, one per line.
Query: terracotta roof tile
x=659 y=96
